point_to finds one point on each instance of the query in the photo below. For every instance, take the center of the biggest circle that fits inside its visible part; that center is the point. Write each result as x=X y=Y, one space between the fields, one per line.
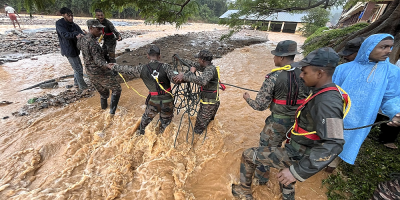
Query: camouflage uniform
x=305 y=155
x=156 y=103
x=110 y=40
x=389 y=190
x=283 y=95
x=209 y=97
x=96 y=67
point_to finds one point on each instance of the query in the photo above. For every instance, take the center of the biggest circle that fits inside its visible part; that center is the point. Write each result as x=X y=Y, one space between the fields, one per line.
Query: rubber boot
x=112 y=57
x=242 y=192
x=103 y=103
x=114 y=103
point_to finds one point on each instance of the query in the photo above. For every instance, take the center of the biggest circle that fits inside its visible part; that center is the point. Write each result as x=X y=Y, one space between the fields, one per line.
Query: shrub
x=329 y=38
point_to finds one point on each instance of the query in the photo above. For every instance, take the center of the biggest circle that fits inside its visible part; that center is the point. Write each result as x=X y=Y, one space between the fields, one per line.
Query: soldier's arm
x=202 y=79
x=170 y=72
x=192 y=64
x=113 y=29
x=126 y=69
x=64 y=31
x=265 y=94
x=328 y=118
x=97 y=54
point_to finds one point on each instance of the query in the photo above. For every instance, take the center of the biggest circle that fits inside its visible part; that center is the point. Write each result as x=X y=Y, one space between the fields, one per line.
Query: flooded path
x=76 y=152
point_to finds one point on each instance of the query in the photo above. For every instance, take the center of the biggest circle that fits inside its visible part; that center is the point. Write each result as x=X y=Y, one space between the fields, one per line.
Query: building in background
x=363 y=12
x=277 y=22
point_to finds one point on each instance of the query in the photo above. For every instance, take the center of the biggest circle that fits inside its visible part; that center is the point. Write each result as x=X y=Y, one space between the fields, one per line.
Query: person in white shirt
x=11 y=13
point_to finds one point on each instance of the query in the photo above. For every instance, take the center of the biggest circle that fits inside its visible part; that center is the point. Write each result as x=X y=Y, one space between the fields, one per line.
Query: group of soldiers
x=307 y=107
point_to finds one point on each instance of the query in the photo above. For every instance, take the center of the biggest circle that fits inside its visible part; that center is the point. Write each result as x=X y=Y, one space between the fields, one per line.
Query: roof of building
x=278 y=17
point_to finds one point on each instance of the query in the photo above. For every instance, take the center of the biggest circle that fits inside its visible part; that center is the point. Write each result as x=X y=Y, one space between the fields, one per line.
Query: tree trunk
x=389 y=22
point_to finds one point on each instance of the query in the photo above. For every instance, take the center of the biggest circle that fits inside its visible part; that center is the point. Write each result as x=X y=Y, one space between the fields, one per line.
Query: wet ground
x=77 y=152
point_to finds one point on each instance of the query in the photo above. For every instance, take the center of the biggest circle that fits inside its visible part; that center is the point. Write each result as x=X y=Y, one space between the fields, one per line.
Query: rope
x=240 y=87
x=129 y=86
x=186 y=99
x=374 y=124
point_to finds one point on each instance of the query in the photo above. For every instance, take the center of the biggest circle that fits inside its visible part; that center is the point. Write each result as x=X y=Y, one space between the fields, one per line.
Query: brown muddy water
x=77 y=152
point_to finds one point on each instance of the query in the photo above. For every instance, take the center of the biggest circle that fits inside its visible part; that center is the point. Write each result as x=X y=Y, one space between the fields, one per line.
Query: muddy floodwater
x=78 y=152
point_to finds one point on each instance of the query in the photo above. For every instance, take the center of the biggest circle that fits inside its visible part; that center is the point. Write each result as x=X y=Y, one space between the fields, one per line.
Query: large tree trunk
x=389 y=22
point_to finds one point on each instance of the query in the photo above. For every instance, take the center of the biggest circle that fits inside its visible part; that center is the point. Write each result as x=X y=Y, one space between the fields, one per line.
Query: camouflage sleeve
x=265 y=94
x=97 y=54
x=202 y=79
x=133 y=71
x=113 y=29
x=192 y=64
x=170 y=72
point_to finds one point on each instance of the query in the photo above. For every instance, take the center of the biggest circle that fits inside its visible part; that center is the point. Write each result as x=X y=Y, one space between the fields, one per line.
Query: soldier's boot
x=114 y=103
x=103 y=103
x=242 y=192
x=287 y=192
x=112 y=57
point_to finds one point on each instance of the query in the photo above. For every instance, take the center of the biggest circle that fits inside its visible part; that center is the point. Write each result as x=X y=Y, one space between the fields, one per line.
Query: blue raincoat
x=370 y=89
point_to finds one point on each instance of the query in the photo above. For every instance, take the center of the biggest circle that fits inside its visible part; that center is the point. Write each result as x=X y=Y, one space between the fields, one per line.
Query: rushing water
x=77 y=152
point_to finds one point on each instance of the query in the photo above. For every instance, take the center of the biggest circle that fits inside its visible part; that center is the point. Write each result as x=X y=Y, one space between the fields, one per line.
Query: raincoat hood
x=371 y=86
x=368 y=45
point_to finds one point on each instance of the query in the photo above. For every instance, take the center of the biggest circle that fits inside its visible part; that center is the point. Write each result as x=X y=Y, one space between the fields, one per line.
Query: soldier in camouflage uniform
x=389 y=190
x=110 y=34
x=283 y=92
x=317 y=136
x=209 y=82
x=97 y=68
x=159 y=100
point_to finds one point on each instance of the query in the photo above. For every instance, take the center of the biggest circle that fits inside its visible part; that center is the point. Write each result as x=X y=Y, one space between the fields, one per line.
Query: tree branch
x=182 y=6
x=293 y=8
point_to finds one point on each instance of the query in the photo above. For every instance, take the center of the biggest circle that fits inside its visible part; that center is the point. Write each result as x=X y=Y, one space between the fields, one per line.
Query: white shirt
x=9 y=9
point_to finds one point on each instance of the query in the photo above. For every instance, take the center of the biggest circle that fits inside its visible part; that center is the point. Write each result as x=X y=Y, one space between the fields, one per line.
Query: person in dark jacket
x=68 y=32
x=110 y=36
x=317 y=135
x=157 y=77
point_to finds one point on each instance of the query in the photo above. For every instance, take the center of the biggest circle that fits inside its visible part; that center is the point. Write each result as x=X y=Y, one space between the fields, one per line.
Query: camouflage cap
x=204 y=55
x=285 y=48
x=352 y=46
x=322 y=57
x=154 y=50
x=94 y=23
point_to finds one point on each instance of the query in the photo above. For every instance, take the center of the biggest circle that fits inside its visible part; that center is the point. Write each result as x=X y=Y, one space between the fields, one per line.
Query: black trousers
x=388 y=133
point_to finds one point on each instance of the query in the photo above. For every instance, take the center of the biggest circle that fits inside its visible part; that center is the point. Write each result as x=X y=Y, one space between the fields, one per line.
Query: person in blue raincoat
x=372 y=82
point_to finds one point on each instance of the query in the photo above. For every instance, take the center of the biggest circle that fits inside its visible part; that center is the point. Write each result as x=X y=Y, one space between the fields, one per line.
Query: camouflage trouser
x=166 y=111
x=258 y=160
x=206 y=113
x=105 y=83
x=389 y=190
x=274 y=131
x=109 y=49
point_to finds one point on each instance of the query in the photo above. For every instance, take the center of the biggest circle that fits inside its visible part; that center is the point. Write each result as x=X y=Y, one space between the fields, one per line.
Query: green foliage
x=374 y=164
x=329 y=38
x=315 y=19
x=268 y=7
x=316 y=33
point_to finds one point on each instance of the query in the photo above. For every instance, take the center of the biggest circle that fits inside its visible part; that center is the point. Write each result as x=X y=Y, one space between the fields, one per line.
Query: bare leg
x=18 y=24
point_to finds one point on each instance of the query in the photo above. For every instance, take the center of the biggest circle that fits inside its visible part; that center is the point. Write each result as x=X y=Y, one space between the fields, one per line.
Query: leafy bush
x=375 y=163
x=316 y=33
x=329 y=38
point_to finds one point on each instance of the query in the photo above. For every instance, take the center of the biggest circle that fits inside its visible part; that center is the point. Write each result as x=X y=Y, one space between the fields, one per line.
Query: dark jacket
x=323 y=114
x=67 y=33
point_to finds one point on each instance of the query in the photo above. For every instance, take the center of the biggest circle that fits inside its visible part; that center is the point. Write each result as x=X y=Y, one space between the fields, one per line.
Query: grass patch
x=375 y=163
